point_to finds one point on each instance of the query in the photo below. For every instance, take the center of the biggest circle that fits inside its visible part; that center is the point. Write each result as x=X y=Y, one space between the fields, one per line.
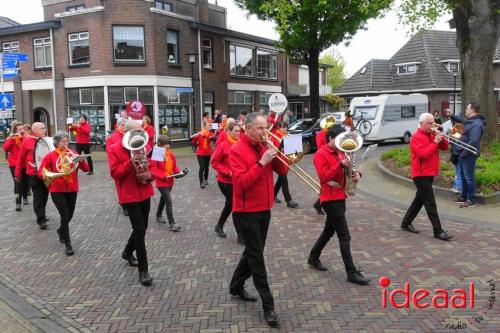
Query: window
x=408 y=68
x=173 y=47
x=85 y=96
x=408 y=111
x=10 y=47
x=363 y=70
x=241 y=60
x=267 y=64
x=369 y=112
x=87 y=102
x=451 y=66
x=163 y=5
x=239 y=101
x=78 y=44
x=207 y=53
x=43 y=52
x=128 y=44
x=75 y=8
x=131 y=93
x=173 y=112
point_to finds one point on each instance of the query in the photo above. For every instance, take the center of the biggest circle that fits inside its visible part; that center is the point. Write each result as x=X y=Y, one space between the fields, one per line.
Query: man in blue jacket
x=474 y=124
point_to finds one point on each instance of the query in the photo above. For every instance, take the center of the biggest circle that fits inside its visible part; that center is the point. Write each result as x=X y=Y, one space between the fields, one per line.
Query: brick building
x=176 y=56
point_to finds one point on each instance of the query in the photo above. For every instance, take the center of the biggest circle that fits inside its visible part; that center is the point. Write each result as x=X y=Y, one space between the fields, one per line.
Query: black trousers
x=85 y=147
x=424 y=197
x=282 y=183
x=20 y=188
x=335 y=222
x=204 y=162
x=227 y=191
x=65 y=203
x=138 y=213
x=40 y=197
x=165 y=202
x=254 y=228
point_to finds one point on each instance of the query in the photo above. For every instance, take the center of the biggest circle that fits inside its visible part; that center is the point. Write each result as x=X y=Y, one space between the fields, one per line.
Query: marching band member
x=27 y=160
x=252 y=165
x=204 y=152
x=146 y=124
x=280 y=131
x=162 y=172
x=12 y=147
x=63 y=190
x=273 y=118
x=134 y=195
x=221 y=164
x=83 y=129
x=330 y=163
x=222 y=136
x=424 y=148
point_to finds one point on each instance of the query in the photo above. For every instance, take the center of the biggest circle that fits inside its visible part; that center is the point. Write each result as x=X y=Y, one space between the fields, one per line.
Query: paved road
x=96 y=291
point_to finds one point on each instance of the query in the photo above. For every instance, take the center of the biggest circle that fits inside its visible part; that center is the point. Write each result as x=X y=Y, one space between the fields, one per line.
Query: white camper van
x=391 y=116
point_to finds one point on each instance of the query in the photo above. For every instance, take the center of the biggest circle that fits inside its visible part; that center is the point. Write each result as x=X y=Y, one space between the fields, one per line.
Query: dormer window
x=407 y=68
x=163 y=5
x=451 y=65
x=75 y=8
x=363 y=70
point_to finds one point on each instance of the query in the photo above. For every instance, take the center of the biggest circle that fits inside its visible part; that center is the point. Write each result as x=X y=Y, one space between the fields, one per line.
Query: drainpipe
x=199 y=76
x=53 y=78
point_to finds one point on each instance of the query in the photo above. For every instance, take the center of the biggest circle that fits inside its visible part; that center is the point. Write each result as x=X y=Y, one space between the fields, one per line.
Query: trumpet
x=454 y=138
x=291 y=161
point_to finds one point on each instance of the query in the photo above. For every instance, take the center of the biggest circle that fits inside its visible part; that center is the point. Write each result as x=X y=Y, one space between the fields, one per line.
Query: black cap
x=335 y=130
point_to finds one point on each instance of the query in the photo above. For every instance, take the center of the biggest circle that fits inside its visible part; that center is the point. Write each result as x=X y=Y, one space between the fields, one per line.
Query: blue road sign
x=6 y=101
x=6 y=64
x=181 y=90
x=9 y=75
x=15 y=56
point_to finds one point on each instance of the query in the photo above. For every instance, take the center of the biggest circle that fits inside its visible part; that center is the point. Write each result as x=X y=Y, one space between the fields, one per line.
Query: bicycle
x=95 y=139
x=363 y=125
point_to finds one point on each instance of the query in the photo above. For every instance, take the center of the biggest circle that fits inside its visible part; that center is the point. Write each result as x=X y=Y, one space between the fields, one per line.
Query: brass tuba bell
x=327 y=122
x=349 y=142
x=65 y=166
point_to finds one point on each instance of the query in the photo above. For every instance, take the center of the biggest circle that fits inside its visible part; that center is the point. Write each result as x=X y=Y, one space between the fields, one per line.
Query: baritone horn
x=349 y=142
x=327 y=122
x=135 y=141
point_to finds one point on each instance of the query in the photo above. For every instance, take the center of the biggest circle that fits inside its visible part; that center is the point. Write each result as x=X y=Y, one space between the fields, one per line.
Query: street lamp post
x=455 y=93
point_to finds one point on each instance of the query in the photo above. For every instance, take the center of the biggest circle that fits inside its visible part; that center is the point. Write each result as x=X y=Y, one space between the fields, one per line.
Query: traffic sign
x=6 y=64
x=6 y=101
x=9 y=75
x=15 y=56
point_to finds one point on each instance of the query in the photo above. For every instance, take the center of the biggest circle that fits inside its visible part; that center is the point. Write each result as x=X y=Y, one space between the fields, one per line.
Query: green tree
x=477 y=23
x=306 y=27
x=336 y=76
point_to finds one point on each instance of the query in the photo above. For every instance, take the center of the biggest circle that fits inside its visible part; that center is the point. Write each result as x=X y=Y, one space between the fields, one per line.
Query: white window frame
x=233 y=50
x=118 y=26
x=45 y=44
x=210 y=50
x=408 y=68
x=76 y=37
x=10 y=47
x=273 y=60
x=163 y=5
x=177 y=57
x=80 y=93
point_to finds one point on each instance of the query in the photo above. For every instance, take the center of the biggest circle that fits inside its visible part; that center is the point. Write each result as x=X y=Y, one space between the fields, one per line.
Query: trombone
x=290 y=161
x=455 y=138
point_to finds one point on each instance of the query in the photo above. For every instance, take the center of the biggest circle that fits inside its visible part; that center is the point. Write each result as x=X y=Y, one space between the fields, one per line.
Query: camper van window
x=369 y=112
x=408 y=111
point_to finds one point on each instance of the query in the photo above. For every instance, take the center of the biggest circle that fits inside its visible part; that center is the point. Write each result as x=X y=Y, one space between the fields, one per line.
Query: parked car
x=308 y=127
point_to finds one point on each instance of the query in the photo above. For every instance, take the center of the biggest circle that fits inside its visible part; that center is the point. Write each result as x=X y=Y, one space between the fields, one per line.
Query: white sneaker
x=454 y=190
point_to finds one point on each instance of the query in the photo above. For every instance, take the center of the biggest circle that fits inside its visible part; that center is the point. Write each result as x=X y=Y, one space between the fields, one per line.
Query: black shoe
x=69 y=250
x=145 y=278
x=61 y=238
x=160 y=219
x=443 y=235
x=244 y=295
x=206 y=182
x=125 y=212
x=202 y=185
x=18 y=207
x=43 y=225
x=240 y=240
x=292 y=204
x=25 y=202
x=276 y=200
x=220 y=232
x=131 y=259
x=409 y=228
x=358 y=278
x=90 y=173
x=316 y=264
x=271 y=318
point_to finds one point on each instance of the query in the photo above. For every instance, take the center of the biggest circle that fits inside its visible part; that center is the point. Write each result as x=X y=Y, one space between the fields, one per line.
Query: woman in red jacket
x=162 y=171
x=330 y=163
x=12 y=146
x=204 y=152
x=63 y=190
x=146 y=125
x=220 y=163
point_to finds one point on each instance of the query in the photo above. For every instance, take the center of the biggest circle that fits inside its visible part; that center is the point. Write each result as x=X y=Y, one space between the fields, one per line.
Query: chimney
x=203 y=11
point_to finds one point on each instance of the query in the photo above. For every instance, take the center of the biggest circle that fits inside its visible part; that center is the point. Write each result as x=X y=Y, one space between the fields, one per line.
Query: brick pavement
x=96 y=291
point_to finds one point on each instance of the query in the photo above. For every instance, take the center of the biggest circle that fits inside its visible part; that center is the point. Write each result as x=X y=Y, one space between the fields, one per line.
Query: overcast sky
x=382 y=39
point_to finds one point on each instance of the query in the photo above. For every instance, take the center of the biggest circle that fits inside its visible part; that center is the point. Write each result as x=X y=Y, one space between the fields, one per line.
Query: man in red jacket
x=26 y=160
x=252 y=166
x=83 y=130
x=134 y=195
x=331 y=164
x=424 y=147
